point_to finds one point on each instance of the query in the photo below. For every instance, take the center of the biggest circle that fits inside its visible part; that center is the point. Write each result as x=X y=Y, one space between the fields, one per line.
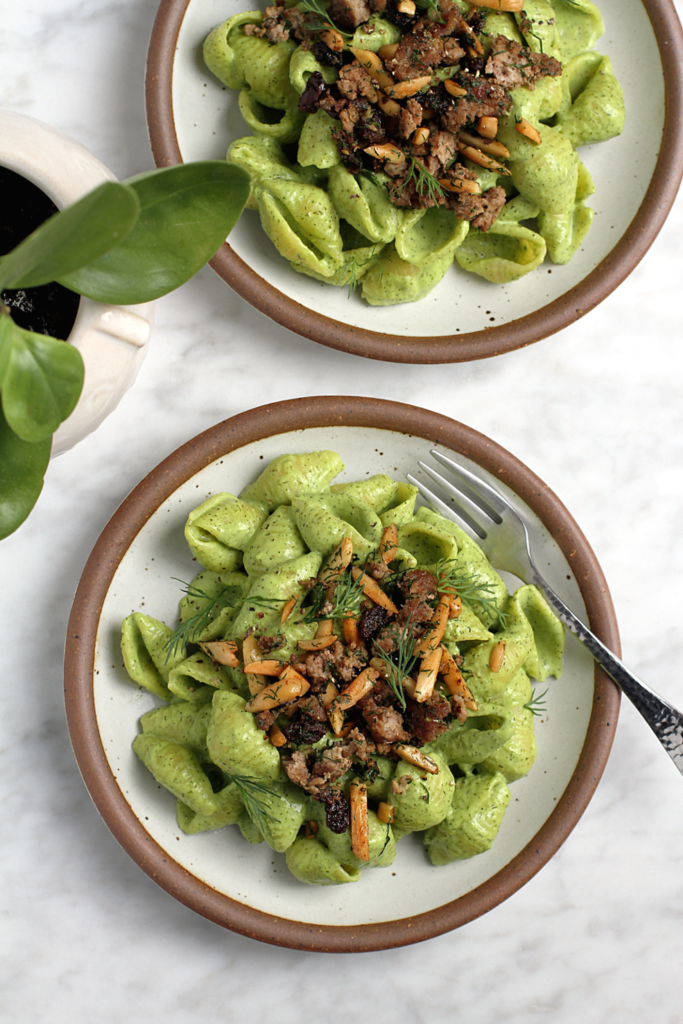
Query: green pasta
x=387 y=145
x=364 y=675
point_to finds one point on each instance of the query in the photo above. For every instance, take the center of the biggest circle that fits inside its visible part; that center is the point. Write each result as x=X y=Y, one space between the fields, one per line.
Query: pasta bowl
x=249 y=889
x=192 y=116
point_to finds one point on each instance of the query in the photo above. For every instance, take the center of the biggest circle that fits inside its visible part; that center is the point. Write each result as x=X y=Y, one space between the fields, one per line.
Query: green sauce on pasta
x=342 y=224
x=227 y=766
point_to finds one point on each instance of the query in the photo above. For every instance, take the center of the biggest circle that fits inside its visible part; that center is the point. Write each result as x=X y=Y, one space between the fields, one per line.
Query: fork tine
x=481 y=493
x=461 y=494
x=455 y=508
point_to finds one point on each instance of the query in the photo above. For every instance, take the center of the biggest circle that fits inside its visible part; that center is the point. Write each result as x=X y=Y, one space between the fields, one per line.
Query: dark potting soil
x=50 y=309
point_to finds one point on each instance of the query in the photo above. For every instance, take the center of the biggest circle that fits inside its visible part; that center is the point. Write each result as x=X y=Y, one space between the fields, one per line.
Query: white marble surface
x=85 y=936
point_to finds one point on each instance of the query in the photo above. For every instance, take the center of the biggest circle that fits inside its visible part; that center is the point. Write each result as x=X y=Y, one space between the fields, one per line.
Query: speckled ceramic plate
x=192 y=116
x=247 y=888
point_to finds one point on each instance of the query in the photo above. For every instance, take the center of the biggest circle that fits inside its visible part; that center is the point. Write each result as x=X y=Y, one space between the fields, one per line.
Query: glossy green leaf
x=42 y=381
x=72 y=238
x=22 y=467
x=186 y=213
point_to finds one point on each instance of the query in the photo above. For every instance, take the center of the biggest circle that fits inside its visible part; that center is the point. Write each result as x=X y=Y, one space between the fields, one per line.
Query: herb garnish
x=346 y=599
x=425 y=183
x=353 y=265
x=252 y=793
x=432 y=7
x=402 y=666
x=191 y=629
x=537 y=704
x=314 y=7
x=451 y=579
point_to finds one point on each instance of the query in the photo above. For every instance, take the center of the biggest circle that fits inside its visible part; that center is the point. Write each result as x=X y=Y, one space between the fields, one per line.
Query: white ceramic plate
x=256 y=877
x=206 y=119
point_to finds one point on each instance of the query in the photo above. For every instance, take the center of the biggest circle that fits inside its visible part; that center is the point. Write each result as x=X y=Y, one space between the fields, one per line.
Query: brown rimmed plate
x=191 y=116
x=249 y=889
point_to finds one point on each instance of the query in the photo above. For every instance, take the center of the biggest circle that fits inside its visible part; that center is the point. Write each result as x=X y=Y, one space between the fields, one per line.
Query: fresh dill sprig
x=402 y=666
x=314 y=7
x=252 y=793
x=451 y=578
x=192 y=628
x=537 y=704
x=346 y=600
x=425 y=183
x=352 y=266
x=188 y=631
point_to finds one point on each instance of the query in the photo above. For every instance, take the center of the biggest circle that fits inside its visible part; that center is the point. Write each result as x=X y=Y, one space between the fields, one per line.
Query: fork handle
x=664 y=720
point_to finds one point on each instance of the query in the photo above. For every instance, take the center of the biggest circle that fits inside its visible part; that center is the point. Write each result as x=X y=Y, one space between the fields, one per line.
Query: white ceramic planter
x=112 y=339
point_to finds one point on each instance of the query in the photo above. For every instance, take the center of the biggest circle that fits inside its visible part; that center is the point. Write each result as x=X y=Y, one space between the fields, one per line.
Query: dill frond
x=399 y=664
x=537 y=704
x=451 y=579
x=425 y=183
x=314 y=7
x=252 y=792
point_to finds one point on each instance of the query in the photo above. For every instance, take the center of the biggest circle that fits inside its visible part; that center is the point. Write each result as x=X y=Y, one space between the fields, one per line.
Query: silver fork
x=504 y=535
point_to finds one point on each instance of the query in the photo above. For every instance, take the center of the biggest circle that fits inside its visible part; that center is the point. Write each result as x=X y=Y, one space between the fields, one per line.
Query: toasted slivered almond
x=387 y=51
x=374 y=67
x=453 y=89
x=318 y=643
x=386 y=813
x=499 y=5
x=477 y=157
x=528 y=130
x=276 y=736
x=350 y=630
x=426 y=679
x=386 y=151
x=311 y=829
x=406 y=7
x=460 y=185
x=410 y=87
x=360 y=839
x=411 y=755
x=350 y=695
x=488 y=127
x=494 y=148
x=372 y=590
x=389 y=542
x=339 y=560
x=288 y=609
x=496 y=656
x=288 y=687
x=431 y=640
x=324 y=628
x=252 y=652
x=333 y=39
x=389 y=107
x=270 y=667
x=329 y=695
x=455 y=606
x=453 y=678
x=420 y=136
x=410 y=686
x=222 y=651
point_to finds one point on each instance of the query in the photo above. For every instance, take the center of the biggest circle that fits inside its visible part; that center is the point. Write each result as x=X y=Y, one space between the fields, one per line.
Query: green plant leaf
x=22 y=468
x=73 y=237
x=41 y=384
x=187 y=212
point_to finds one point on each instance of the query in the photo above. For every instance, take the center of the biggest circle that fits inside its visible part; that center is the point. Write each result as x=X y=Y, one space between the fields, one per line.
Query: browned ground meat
x=385 y=724
x=512 y=65
x=349 y=13
x=296 y=768
x=426 y=721
x=410 y=119
x=419 y=583
x=265 y=719
x=380 y=570
x=485 y=99
x=481 y=210
x=427 y=46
